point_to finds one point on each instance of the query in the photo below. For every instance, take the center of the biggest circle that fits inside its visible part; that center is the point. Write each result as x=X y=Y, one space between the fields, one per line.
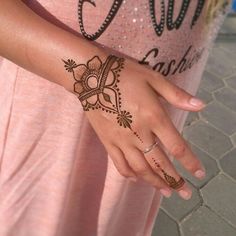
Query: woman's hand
x=127 y=114
x=122 y=102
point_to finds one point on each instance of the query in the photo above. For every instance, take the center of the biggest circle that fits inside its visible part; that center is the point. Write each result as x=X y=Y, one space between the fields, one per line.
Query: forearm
x=39 y=46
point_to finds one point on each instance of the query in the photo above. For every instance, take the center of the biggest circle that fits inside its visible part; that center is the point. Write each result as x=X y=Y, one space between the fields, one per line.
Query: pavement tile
x=192 y=117
x=204 y=95
x=178 y=208
x=164 y=226
x=210 y=82
x=208 y=138
x=225 y=58
x=227 y=97
x=219 y=194
x=228 y=163
x=221 y=63
x=231 y=82
x=204 y=222
x=233 y=138
x=221 y=117
x=228 y=46
x=208 y=134
x=229 y=26
x=208 y=163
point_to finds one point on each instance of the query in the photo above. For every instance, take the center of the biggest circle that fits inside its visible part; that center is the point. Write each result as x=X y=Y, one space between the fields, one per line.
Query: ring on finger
x=172 y=182
x=151 y=147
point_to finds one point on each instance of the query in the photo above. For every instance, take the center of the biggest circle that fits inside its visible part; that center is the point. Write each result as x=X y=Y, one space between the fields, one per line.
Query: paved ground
x=212 y=134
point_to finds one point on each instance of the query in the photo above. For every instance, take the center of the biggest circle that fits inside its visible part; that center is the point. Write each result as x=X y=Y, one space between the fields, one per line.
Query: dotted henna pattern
x=169 y=179
x=96 y=84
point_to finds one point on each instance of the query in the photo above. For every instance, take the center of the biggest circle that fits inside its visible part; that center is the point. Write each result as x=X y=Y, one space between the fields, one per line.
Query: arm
x=37 y=45
x=131 y=123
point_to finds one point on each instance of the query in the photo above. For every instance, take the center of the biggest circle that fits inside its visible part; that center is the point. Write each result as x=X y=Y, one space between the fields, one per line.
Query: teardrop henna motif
x=172 y=182
x=96 y=84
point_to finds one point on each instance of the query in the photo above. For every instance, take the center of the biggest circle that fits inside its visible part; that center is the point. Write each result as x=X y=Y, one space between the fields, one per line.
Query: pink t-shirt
x=55 y=177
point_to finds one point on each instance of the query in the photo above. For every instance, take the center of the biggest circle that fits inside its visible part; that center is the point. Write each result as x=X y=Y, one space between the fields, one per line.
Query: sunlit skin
x=39 y=46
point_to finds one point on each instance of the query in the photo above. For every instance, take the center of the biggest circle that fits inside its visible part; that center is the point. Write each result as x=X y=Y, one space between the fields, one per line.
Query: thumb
x=175 y=95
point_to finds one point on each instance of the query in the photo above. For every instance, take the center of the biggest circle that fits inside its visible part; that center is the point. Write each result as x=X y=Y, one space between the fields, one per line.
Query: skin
x=40 y=47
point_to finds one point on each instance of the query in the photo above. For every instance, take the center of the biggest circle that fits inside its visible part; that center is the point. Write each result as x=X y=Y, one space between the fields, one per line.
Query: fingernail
x=200 y=174
x=185 y=194
x=165 y=192
x=132 y=179
x=196 y=102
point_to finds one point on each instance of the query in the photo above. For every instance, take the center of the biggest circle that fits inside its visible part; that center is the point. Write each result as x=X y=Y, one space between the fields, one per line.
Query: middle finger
x=161 y=164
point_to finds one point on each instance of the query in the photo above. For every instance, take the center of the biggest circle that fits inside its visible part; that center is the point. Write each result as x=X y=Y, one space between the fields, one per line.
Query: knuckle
x=141 y=171
x=178 y=150
x=124 y=173
x=120 y=169
x=179 y=94
x=157 y=184
x=159 y=163
x=161 y=118
x=193 y=166
x=149 y=115
x=155 y=115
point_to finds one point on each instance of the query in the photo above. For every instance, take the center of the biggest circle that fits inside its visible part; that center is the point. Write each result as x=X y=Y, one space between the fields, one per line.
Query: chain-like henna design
x=172 y=182
x=96 y=84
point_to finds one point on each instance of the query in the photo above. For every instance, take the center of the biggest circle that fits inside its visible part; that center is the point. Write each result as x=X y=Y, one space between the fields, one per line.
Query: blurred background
x=212 y=135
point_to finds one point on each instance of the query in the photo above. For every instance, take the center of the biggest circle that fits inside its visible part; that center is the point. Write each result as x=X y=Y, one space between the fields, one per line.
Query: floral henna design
x=96 y=84
x=169 y=179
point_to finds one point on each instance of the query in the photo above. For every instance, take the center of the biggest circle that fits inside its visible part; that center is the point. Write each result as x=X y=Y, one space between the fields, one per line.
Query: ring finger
x=161 y=164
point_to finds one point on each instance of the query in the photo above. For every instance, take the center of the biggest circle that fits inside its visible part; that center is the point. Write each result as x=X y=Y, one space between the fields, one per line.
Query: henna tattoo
x=172 y=182
x=96 y=84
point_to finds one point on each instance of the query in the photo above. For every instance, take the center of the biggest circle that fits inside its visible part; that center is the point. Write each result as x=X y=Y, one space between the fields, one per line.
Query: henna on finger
x=172 y=182
x=96 y=84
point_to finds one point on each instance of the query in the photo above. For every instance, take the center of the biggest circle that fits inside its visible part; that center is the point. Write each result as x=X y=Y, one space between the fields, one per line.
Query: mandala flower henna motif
x=96 y=84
